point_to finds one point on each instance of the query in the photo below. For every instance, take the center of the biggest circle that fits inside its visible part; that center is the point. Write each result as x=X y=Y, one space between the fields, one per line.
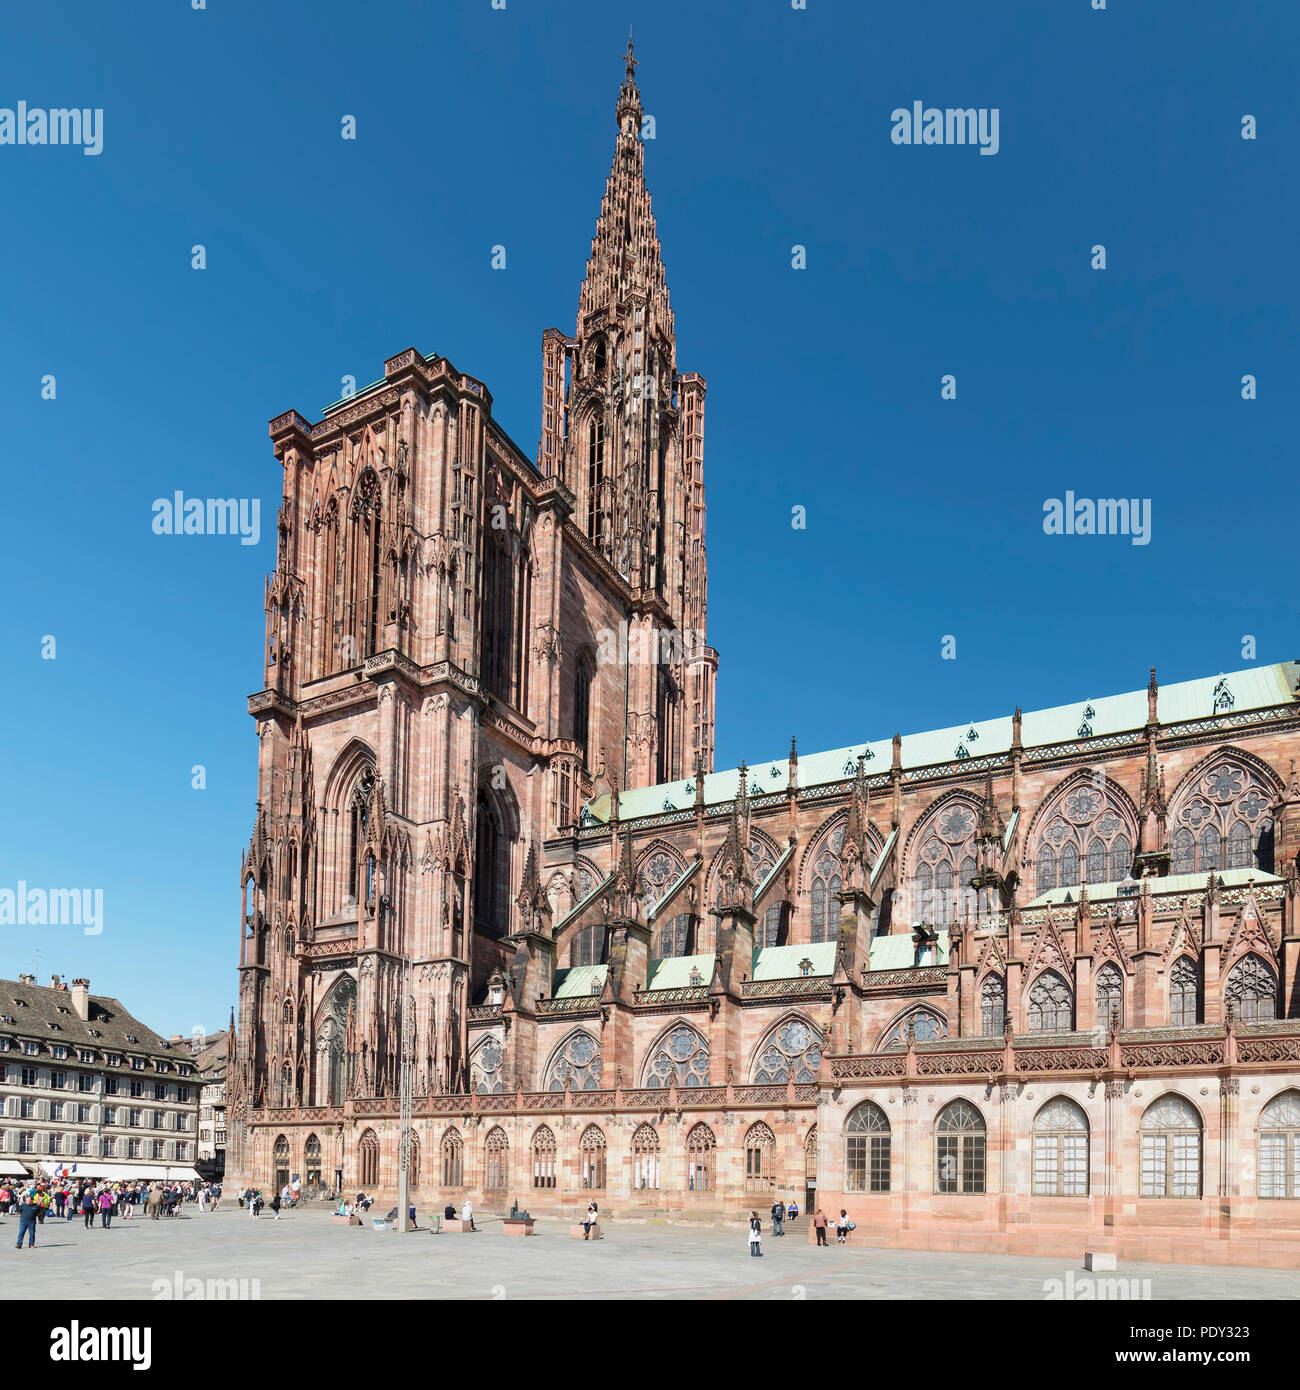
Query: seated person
x=792 y=1211
x=449 y=1212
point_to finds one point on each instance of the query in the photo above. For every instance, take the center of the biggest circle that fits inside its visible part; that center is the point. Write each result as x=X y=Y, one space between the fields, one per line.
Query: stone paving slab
x=304 y=1256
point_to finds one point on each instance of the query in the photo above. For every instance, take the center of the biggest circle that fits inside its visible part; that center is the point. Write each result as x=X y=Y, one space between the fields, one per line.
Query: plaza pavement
x=305 y=1256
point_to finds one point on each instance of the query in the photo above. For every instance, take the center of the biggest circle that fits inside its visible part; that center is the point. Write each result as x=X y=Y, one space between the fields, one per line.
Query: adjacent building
x=87 y=1086
x=1019 y=983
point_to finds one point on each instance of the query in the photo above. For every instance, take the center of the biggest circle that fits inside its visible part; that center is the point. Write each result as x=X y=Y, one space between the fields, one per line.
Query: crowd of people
x=33 y=1200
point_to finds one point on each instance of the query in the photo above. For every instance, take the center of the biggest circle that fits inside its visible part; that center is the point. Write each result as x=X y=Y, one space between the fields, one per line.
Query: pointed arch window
x=583 y=680
x=588 y=945
x=1110 y=995
x=993 y=1006
x=591 y=1159
x=867 y=1149
x=760 y=1159
x=368 y=1151
x=645 y=1159
x=945 y=865
x=453 y=1159
x=496 y=1168
x=595 y=476
x=491 y=870
x=577 y=1062
x=674 y=937
x=1051 y=1005
x=700 y=1149
x=312 y=1160
x=1279 y=1147
x=791 y=1049
x=1184 y=994
x=959 y=1140
x=925 y=1025
x=682 y=1057
x=1060 y=1150
x=358 y=821
x=544 y=1158
x=1171 y=1149
x=1223 y=820
x=485 y=1067
x=1085 y=838
x=1252 y=988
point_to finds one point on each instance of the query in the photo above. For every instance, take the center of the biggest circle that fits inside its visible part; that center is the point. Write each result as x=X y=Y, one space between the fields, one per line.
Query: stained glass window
x=1171 y=1149
x=588 y=946
x=925 y=1025
x=760 y=1159
x=1252 y=988
x=1051 y=1005
x=1085 y=836
x=496 y=1168
x=867 y=1149
x=591 y=1158
x=453 y=1159
x=485 y=1067
x=791 y=1049
x=673 y=938
x=1110 y=995
x=578 y=1057
x=1061 y=1150
x=959 y=1137
x=1223 y=820
x=826 y=884
x=682 y=1056
x=993 y=1006
x=700 y=1146
x=1183 y=993
x=1279 y=1146
x=544 y=1157
x=645 y=1158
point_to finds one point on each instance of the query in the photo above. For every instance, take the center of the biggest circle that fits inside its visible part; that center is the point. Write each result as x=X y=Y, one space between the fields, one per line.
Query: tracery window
x=760 y=1159
x=496 y=1167
x=591 y=1158
x=660 y=873
x=333 y=1039
x=368 y=1149
x=959 y=1138
x=682 y=1056
x=767 y=930
x=491 y=870
x=544 y=1157
x=926 y=1026
x=1051 y=1005
x=645 y=1159
x=700 y=1147
x=867 y=1149
x=577 y=1058
x=413 y=1161
x=993 y=1006
x=674 y=937
x=312 y=1156
x=1086 y=837
x=1171 y=1149
x=826 y=883
x=1110 y=995
x=1279 y=1146
x=1184 y=994
x=1252 y=988
x=1223 y=821
x=1061 y=1150
x=792 y=1049
x=485 y=1067
x=281 y=1155
x=358 y=818
x=945 y=865
x=453 y=1159
x=583 y=679
x=588 y=945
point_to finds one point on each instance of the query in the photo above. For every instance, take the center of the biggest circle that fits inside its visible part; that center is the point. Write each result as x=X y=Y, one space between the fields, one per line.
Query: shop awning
x=121 y=1172
x=10 y=1168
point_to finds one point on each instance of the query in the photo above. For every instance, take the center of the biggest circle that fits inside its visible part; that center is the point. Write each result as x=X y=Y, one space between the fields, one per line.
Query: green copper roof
x=674 y=972
x=898 y=952
x=1172 y=883
x=782 y=962
x=578 y=979
x=1090 y=717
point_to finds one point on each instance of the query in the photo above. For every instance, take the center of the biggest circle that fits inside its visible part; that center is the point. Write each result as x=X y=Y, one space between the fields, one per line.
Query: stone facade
x=488 y=813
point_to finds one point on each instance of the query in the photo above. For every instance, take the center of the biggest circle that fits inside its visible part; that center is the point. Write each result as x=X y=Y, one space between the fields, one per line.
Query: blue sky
x=479 y=127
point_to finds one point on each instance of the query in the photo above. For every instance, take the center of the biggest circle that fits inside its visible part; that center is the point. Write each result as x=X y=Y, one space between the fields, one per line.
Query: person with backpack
x=778 y=1217
x=755 y=1235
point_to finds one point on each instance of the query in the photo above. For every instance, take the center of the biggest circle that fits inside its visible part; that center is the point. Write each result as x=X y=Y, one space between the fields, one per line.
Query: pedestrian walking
x=755 y=1235
x=778 y=1217
x=819 y=1225
x=105 y=1208
x=88 y=1207
x=275 y=1205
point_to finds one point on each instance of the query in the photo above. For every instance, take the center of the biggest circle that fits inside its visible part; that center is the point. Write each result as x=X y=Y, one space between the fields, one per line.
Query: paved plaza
x=305 y=1256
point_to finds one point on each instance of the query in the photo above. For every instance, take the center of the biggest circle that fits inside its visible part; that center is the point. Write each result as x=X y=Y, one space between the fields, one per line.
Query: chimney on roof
x=54 y=982
x=81 y=999
x=27 y=979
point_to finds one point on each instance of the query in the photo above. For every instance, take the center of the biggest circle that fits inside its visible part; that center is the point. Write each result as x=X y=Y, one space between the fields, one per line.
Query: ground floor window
x=1279 y=1146
x=591 y=1159
x=1060 y=1150
x=867 y=1149
x=959 y=1149
x=1171 y=1149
